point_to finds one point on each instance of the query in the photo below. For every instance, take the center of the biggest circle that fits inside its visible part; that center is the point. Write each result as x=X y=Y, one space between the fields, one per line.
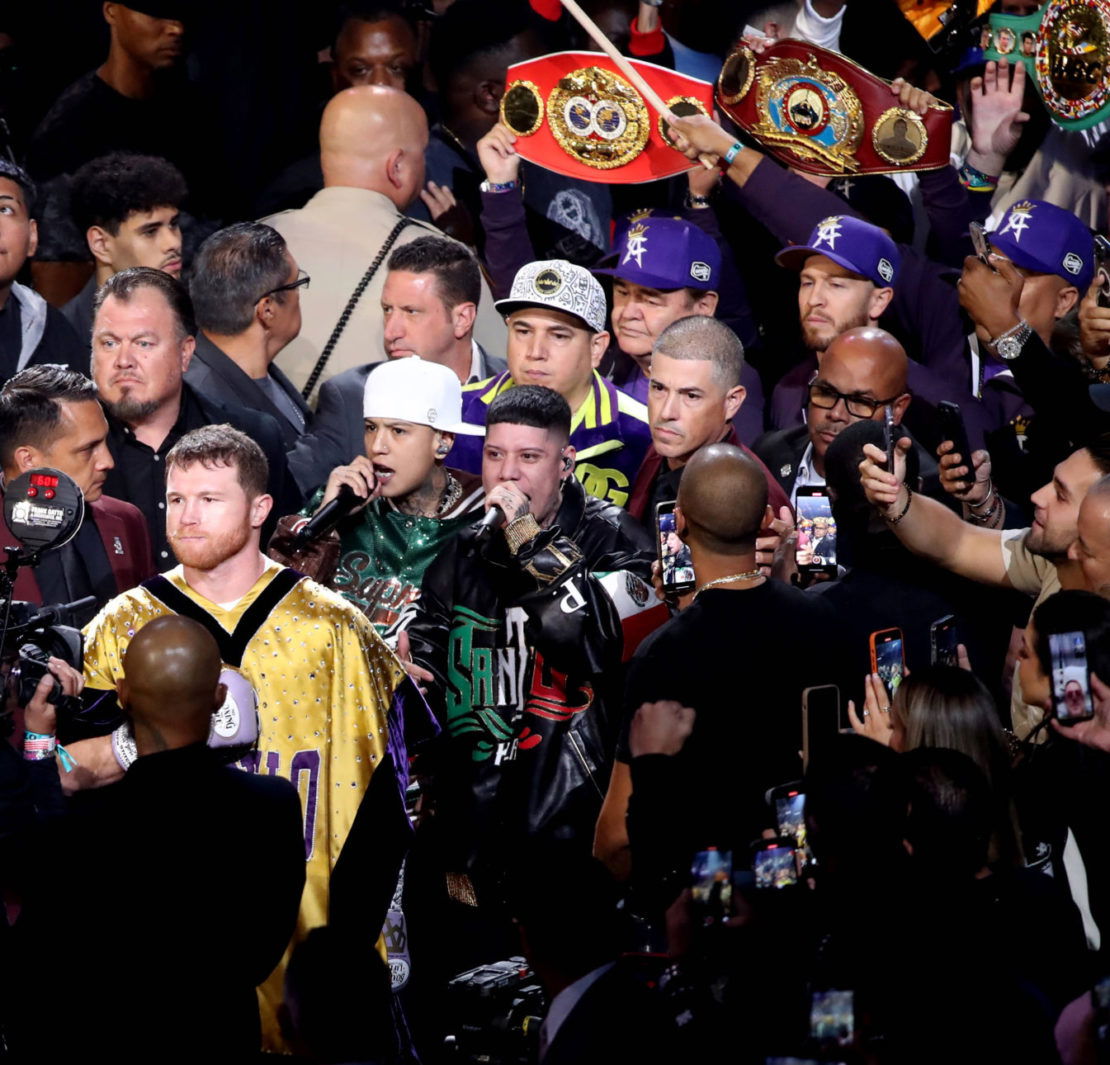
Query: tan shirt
x=1036 y=576
x=334 y=238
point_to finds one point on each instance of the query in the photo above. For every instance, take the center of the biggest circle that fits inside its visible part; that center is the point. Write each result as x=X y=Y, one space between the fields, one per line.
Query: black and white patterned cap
x=560 y=285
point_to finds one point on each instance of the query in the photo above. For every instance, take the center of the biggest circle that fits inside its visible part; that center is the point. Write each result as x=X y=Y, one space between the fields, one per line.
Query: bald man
x=862 y=371
x=739 y=657
x=191 y=876
x=372 y=142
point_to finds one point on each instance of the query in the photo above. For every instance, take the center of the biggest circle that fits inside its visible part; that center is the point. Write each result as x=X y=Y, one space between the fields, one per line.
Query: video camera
x=43 y=509
x=496 y=1013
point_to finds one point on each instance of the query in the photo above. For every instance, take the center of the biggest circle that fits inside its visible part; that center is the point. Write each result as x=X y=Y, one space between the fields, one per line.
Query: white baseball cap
x=560 y=285
x=415 y=390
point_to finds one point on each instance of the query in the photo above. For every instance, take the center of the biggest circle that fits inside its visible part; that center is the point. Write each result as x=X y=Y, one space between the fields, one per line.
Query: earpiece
x=441 y=452
x=568 y=462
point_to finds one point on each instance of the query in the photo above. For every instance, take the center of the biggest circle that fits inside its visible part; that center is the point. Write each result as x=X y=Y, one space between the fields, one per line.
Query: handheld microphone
x=491 y=520
x=330 y=515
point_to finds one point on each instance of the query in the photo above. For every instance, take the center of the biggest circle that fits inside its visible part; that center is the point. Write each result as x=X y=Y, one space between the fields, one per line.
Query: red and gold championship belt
x=576 y=114
x=821 y=113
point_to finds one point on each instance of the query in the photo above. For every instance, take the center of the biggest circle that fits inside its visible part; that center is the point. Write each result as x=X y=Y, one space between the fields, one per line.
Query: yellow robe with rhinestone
x=325 y=681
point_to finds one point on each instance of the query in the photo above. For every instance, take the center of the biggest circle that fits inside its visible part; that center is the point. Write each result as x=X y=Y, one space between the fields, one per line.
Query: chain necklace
x=451 y=494
x=750 y=575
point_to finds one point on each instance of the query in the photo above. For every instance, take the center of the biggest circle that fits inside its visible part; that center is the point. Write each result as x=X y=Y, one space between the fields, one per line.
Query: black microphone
x=491 y=520
x=330 y=515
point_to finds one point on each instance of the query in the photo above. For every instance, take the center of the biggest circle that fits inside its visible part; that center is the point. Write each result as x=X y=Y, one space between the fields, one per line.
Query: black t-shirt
x=741 y=659
x=11 y=336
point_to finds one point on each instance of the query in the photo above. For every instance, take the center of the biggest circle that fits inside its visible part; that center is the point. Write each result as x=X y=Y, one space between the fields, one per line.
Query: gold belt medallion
x=598 y=118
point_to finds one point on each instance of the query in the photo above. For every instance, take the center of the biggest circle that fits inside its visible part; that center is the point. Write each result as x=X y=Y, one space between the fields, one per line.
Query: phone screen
x=832 y=1017
x=944 y=640
x=888 y=662
x=1071 y=684
x=674 y=554
x=775 y=865
x=815 y=547
x=711 y=884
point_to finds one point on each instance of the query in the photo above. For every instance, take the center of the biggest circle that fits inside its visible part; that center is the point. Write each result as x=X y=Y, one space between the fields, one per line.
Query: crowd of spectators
x=525 y=618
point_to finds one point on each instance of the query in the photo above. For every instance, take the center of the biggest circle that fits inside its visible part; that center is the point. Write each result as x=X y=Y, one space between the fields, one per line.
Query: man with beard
x=325 y=678
x=143 y=341
x=1038 y=561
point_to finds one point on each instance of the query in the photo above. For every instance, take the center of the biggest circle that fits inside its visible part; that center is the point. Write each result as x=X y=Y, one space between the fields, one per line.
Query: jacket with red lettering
x=528 y=656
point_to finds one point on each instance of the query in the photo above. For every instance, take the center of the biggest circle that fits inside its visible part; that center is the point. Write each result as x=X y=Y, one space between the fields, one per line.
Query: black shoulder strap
x=232 y=645
x=360 y=288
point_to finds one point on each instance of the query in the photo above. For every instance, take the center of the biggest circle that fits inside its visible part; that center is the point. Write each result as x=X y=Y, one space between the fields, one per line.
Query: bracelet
x=521 y=531
x=905 y=509
x=731 y=154
x=988 y=518
x=975 y=180
x=696 y=202
x=989 y=498
x=497 y=186
x=38 y=747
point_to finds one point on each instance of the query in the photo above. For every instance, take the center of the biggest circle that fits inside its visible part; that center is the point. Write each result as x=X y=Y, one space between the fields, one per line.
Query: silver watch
x=1008 y=345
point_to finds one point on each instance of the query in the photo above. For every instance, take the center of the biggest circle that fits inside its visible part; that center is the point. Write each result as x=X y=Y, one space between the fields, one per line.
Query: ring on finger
x=866 y=714
x=884 y=709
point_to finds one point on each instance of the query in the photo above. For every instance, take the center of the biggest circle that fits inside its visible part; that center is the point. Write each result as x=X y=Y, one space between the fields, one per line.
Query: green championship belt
x=1066 y=48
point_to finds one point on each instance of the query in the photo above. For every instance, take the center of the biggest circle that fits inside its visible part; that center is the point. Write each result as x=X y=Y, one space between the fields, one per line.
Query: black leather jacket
x=527 y=654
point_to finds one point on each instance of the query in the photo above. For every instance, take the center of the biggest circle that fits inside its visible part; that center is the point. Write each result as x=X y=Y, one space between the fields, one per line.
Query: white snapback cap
x=415 y=390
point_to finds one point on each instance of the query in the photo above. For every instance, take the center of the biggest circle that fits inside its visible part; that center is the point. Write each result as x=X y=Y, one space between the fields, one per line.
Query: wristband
x=905 y=509
x=38 y=747
x=497 y=186
x=975 y=180
x=731 y=154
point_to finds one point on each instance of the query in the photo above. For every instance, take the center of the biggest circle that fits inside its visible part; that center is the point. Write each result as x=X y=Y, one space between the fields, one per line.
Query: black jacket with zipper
x=527 y=654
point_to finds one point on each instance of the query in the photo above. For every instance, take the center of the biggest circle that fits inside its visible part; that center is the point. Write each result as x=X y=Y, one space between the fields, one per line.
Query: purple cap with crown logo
x=664 y=253
x=1047 y=239
x=852 y=243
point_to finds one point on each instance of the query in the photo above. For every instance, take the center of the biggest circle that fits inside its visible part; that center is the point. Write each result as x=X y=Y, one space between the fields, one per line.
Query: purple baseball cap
x=852 y=243
x=664 y=253
x=1047 y=239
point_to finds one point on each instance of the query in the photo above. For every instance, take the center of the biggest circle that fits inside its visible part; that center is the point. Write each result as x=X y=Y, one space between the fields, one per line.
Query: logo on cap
x=828 y=231
x=700 y=271
x=886 y=269
x=1019 y=218
x=637 y=244
x=432 y=415
x=1073 y=263
x=547 y=282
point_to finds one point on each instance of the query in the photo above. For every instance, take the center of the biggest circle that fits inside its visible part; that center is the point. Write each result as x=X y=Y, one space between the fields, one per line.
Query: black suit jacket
x=337 y=432
x=218 y=377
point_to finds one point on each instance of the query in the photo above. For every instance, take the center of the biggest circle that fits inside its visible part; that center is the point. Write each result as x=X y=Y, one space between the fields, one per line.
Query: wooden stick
x=626 y=68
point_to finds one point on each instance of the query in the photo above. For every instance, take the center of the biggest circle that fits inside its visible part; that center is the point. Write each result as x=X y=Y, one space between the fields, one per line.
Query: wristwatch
x=1008 y=345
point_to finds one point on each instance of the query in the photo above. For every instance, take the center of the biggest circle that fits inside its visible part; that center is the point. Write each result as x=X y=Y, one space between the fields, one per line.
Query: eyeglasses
x=302 y=281
x=826 y=397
